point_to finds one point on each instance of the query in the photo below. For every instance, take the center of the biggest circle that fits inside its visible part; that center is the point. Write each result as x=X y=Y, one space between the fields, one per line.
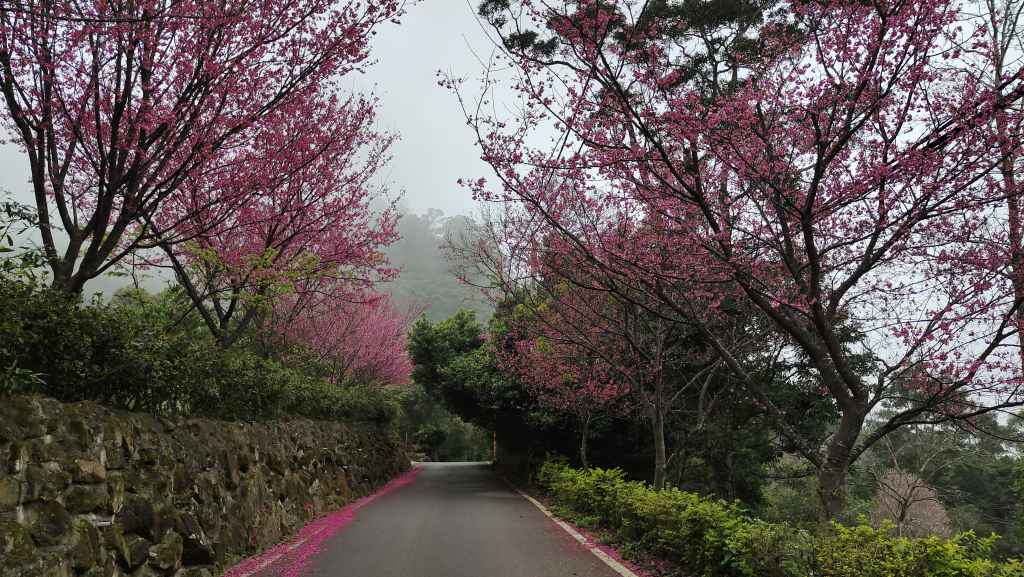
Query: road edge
x=305 y=544
x=589 y=545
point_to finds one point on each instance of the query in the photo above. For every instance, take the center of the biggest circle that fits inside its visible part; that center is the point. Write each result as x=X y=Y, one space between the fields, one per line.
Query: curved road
x=455 y=520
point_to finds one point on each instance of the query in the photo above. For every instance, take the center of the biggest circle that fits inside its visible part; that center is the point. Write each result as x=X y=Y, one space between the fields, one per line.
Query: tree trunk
x=585 y=422
x=66 y=283
x=835 y=466
x=1007 y=169
x=659 y=407
x=660 y=462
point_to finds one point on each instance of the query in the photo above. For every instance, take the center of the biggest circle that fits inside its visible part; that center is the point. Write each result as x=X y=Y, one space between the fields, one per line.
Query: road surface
x=455 y=520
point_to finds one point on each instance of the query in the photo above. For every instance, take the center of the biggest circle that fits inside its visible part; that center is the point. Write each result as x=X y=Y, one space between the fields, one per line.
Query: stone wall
x=89 y=491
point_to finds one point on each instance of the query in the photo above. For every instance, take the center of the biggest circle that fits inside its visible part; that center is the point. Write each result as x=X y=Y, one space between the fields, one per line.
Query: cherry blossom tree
x=306 y=228
x=826 y=164
x=570 y=379
x=361 y=342
x=910 y=504
x=119 y=107
x=564 y=317
x=995 y=67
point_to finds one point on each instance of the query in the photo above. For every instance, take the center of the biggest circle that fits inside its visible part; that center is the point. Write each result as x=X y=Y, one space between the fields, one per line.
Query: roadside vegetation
x=924 y=481
x=710 y=537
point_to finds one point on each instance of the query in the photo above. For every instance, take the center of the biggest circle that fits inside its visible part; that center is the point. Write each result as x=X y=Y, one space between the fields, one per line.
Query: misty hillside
x=425 y=279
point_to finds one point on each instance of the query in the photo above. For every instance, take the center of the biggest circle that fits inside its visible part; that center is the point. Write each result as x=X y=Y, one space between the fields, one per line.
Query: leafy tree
x=966 y=474
x=430 y=438
x=17 y=261
x=462 y=441
x=455 y=362
x=355 y=342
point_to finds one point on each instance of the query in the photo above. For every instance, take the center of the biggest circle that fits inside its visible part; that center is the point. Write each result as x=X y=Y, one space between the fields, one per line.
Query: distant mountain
x=426 y=278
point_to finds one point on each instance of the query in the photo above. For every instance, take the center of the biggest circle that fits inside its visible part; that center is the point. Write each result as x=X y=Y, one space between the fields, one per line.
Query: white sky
x=436 y=146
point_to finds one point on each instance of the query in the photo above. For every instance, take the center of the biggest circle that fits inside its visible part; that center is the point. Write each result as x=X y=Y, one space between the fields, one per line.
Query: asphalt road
x=455 y=520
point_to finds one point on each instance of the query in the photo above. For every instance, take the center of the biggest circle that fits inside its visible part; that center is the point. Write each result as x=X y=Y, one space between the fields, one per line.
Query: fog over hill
x=426 y=279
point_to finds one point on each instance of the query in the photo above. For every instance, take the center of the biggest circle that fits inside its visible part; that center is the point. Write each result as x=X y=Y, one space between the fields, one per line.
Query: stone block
x=21 y=418
x=135 y=551
x=132 y=550
x=196 y=546
x=88 y=499
x=116 y=487
x=44 y=483
x=16 y=545
x=136 y=515
x=80 y=434
x=167 y=553
x=47 y=522
x=85 y=549
x=87 y=471
x=10 y=493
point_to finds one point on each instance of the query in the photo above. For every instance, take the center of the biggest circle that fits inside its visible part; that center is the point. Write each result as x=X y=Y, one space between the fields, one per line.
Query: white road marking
x=592 y=547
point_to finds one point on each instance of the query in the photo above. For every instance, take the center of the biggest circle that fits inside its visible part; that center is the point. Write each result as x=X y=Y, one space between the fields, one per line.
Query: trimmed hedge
x=708 y=537
x=138 y=355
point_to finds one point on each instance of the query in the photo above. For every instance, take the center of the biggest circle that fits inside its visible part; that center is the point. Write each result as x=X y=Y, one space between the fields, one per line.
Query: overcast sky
x=436 y=146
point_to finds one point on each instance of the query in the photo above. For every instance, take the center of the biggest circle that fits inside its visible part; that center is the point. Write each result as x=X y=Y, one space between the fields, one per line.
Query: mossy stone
x=136 y=515
x=47 y=522
x=196 y=547
x=44 y=484
x=167 y=554
x=87 y=499
x=79 y=431
x=132 y=550
x=10 y=493
x=16 y=544
x=136 y=551
x=85 y=545
x=21 y=417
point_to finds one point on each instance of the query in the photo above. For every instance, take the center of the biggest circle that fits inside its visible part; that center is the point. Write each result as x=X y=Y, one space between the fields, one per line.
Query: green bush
x=137 y=353
x=707 y=537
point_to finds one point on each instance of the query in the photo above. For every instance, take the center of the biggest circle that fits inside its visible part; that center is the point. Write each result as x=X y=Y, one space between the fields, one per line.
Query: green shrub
x=138 y=354
x=707 y=537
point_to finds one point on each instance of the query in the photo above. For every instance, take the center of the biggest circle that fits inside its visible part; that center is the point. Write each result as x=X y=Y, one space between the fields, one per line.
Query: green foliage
x=140 y=353
x=14 y=379
x=1018 y=529
x=972 y=474
x=17 y=260
x=430 y=438
x=453 y=364
x=428 y=428
x=706 y=537
x=787 y=499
